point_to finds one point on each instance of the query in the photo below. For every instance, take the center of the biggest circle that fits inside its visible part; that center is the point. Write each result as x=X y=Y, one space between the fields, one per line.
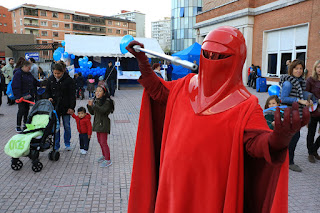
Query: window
x=110 y=22
x=15 y=32
x=182 y=12
x=125 y=24
x=0 y=24
x=67 y=26
x=20 y=12
x=125 y=32
x=14 y=23
x=272 y=64
x=284 y=58
x=4 y=15
x=54 y=14
x=14 y=14
x=5 y=24
x=55 y=34
x=118 y=31
x=118 y=23
x=55 y=24
x=21 y=31
x=66 y=16
x=109 y=30
x=44 y=33
x=0 y=15
x=44 y=23
x=20 y=21
x=43 y=13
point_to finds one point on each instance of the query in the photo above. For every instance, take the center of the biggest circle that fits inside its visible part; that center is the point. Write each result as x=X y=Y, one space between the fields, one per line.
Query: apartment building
x=137 y=17
x=275 y=31
x=5 y=20
x=50 y=24
x=161 y=30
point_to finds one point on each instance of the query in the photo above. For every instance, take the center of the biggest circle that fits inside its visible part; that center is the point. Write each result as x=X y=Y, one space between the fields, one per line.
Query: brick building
x=50 y=24
x=275 y=30
x=5 y=20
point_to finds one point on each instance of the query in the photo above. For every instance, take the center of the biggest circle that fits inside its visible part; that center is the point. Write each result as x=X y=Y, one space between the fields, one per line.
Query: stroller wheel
x=16 y=164
x=37 y=166
x=54 y=155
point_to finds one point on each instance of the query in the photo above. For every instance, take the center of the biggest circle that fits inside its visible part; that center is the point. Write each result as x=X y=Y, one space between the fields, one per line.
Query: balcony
x=31 y=25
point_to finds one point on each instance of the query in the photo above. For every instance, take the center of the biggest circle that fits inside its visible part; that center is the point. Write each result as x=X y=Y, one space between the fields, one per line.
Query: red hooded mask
x=218 y=86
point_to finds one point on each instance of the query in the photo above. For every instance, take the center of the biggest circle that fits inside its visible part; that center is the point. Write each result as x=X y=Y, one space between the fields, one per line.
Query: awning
x=104 y=46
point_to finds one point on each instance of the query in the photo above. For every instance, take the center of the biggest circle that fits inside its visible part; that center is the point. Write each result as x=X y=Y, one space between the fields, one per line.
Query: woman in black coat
x=61 y=92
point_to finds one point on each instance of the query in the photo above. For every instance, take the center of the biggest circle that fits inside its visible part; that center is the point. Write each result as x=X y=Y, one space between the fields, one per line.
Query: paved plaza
x=76 y=183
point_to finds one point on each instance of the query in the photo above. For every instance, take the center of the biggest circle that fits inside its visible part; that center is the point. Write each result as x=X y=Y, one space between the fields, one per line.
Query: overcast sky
x=154 y=9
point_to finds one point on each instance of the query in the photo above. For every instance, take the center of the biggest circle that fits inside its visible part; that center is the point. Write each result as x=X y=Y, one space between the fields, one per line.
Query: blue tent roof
x=191 y=54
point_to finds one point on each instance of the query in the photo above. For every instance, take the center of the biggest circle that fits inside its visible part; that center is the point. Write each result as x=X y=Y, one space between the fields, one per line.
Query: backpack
x=10 y=92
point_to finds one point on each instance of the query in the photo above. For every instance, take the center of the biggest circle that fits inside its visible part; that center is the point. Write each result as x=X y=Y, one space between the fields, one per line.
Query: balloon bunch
x=93 y=71
x=84 y=62
x=60 y=54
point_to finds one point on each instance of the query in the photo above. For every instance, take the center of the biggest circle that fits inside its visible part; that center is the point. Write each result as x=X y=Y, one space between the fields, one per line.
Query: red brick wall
x=5 y=20
x=304 y=12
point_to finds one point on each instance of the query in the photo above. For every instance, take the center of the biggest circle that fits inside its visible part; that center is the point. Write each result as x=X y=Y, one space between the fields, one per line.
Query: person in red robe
x=203 y=144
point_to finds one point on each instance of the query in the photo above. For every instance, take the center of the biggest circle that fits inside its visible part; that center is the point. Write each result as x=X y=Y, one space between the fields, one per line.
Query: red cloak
x=217 y=163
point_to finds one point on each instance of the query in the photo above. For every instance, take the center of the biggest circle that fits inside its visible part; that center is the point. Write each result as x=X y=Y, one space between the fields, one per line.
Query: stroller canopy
x=43 y=106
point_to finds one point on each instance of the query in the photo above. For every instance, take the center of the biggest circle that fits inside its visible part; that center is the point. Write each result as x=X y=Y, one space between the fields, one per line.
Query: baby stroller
x=39 y=136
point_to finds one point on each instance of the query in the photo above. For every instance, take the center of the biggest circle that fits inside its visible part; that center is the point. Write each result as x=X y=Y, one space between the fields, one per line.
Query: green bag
x=19 y=145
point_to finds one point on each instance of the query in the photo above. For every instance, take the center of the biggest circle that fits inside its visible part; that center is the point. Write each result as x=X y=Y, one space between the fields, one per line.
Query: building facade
x=51 y=24
x=183 y=19
x=161 y=30
x=137 y=17
x=5 y=20
x=275 y=31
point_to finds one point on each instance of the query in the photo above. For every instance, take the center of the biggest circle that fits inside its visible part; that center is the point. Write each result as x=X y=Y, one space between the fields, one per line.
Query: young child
x=101 y=81
x=84 y=128
x=90 y=86
x=272 y=101
x=101 y=107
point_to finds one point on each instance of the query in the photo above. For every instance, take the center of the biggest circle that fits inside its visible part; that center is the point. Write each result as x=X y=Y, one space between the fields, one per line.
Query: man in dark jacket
x=61 y=91
x=79 y=83
x=2 y=86
x=24 y=85
x=111 y=77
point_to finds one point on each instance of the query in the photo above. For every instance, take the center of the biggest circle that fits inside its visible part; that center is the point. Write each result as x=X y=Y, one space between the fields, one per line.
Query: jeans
x=23 y=110
x=84 y=141
x=103 y=141
x=111 y=86
x=169 y=76
x=67 y=132
x=292 y=146
x=312 y=127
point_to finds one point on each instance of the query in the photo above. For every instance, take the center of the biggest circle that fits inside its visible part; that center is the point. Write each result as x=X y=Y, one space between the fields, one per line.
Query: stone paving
x=76 y=183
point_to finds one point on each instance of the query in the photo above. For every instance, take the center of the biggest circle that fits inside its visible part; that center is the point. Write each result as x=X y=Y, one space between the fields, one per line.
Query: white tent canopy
x=104 y=46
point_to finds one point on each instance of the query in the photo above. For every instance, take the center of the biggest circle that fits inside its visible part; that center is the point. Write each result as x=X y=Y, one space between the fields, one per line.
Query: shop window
x=283 y=66
x=272 y=64
x=301 y=56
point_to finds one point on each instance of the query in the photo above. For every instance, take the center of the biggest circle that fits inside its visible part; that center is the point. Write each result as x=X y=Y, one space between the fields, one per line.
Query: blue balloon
x=86 y=58
x=56 y=55
x=72 y=56
x=63 y=43
x=274 y=90
x=61 y=49
x=65 y=55
x=89 y=64
x=124 y=43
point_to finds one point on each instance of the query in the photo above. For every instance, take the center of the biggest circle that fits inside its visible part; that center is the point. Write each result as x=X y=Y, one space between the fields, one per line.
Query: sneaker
x=68 y=148
x=24 y=127
x=101 y=159
x=311 y=159
x=106 y=163
x=295 y=168
x=18 y=129
x=83 y=152
x=316 y=155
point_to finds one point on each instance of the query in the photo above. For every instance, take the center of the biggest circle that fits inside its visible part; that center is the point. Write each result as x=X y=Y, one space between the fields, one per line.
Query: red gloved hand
x=284 y=130
x=143 y=61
